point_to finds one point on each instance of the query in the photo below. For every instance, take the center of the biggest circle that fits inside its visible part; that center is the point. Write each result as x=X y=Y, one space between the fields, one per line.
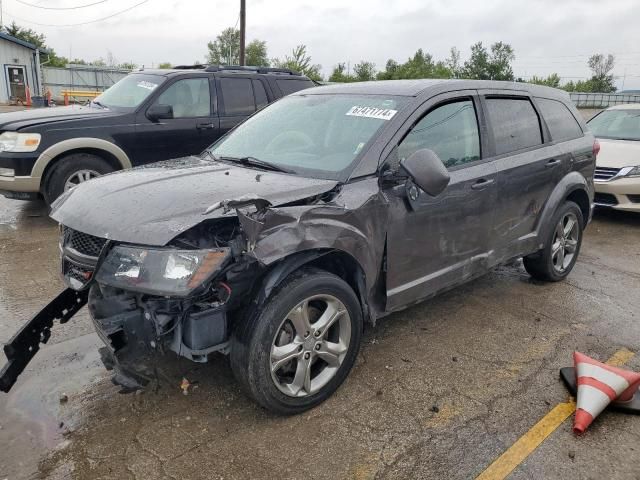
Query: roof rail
x=241 y=68
x=189 y=67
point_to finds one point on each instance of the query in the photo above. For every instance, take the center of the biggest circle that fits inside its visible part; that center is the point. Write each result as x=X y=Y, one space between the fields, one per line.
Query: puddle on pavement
x=33 y=420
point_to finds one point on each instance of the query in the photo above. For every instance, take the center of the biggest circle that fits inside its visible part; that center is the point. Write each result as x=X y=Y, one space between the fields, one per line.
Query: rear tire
x=562 y=246
x=274 y=347
x=73 y=169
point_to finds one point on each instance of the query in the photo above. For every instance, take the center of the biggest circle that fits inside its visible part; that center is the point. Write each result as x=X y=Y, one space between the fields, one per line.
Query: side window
x=450 y=130
x=189 y=98
x=237 y=95
x=515 y=124
x=561 y=122
x=289 y=85
x=260 y=93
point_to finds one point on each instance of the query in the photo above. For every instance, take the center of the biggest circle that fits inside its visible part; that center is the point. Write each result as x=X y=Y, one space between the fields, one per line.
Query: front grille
x=605 y=199
x=76 y=276
x=83 y=243
x=604 y=174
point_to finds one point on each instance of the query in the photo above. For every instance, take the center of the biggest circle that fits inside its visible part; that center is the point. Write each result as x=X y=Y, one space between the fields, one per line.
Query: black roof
x=181 y=69
x=413 y=88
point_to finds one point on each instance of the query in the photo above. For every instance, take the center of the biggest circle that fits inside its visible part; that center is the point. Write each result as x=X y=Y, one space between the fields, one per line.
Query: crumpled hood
x=151 y=205
x=31 y=118
x=618 y=153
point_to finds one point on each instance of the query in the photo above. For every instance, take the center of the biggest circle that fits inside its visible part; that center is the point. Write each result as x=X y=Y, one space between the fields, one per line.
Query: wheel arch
x=335 y=261
x=104 y=149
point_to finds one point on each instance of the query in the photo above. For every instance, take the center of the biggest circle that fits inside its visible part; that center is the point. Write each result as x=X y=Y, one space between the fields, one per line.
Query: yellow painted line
x=526 y=444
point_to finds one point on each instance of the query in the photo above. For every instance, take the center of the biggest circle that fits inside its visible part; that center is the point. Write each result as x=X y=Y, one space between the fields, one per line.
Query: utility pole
x=242 y=31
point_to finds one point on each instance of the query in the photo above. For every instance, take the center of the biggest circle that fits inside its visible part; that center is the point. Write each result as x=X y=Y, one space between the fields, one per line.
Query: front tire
x=560 y=253
x=296 y=351
x=72 y=170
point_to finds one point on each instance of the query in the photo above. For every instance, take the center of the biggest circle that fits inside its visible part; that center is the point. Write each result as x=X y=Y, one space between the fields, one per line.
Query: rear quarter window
x=561 y=122
x=515 y=124
x=291 y=85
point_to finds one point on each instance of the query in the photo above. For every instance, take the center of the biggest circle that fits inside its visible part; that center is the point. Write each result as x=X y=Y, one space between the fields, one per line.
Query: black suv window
x=237 y=95
x=290 y=85
x=189 y=98
x=260 y=94
x=450 y=130
x=515 y=124
x=561 y=122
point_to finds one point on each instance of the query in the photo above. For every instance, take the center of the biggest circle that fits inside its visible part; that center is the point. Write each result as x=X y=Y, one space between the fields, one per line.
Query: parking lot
x=440 y=390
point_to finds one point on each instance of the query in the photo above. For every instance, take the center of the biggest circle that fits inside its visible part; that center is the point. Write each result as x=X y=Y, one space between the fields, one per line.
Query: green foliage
x=364 y=71
x=601 y=67
x=339 y=74
x=552 y=80
x=225 y=49
x=299 y=61
x=165 y=65
x=256 y=54
x=493 y=65
x=453 y=62
x=421 y=65
x=37 y=39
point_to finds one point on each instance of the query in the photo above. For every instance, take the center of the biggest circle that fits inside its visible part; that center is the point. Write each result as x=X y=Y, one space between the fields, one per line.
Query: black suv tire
x=562 y=246
x=261 y=333
x=69 y=166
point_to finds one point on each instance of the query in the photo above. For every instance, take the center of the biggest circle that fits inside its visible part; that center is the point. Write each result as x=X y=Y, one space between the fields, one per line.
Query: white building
x=20 y=63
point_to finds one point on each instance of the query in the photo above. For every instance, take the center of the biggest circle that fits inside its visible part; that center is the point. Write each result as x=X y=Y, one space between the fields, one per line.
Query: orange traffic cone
x=28 y=97
x=599 y=385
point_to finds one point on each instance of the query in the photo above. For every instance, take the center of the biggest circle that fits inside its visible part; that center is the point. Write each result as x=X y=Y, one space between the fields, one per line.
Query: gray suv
x=330 y=208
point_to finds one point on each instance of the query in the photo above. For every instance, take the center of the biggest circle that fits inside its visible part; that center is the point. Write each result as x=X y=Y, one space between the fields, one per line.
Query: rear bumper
x=620 y=194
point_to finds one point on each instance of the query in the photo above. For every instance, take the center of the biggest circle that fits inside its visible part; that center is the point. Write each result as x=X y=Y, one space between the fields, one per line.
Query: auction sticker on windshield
x=371 y=112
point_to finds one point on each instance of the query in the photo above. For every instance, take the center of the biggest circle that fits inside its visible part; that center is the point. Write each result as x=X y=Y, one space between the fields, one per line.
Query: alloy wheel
x=310 y=345
x=79 y=177
x=565 y=242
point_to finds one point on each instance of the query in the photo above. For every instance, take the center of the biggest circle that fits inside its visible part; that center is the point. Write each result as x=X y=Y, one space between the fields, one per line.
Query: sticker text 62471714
x=371 y=112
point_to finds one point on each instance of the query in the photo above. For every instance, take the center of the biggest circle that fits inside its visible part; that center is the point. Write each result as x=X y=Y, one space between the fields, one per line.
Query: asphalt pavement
x=440 y=390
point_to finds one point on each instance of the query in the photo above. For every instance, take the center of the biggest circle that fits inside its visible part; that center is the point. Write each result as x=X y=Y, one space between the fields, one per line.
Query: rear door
x=528 y=164
x=238 y=98
x=436 y=242
x=192 y=128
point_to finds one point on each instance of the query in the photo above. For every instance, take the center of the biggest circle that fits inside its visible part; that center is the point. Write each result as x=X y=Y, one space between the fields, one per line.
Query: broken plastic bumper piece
x=26 y=342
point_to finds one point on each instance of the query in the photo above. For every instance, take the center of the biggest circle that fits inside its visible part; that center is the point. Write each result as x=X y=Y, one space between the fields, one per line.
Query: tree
x=339 y=75
x=390 y=70
x=299 y=61
x=364 y=71
x=552 y=80
x=165 y=65
x=225 y=49
x=256 y=54
x=127 y=66
x=453 y=62
x=483 y=65
x=37 y=39
x=601 y=67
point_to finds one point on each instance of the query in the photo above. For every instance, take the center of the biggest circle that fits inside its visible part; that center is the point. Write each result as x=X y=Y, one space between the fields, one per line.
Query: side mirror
x=159 y=112
x=427 y=171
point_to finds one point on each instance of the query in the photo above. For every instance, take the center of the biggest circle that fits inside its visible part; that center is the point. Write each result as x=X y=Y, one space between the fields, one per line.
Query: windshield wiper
x=256 y=162
x=95 y=102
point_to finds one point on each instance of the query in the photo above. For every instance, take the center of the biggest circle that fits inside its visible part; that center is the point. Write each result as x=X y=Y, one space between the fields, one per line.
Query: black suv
x=147 y=116
x=330 y=208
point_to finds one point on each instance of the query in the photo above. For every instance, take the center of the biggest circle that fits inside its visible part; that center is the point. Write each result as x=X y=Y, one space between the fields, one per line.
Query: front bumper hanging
x=26 y=342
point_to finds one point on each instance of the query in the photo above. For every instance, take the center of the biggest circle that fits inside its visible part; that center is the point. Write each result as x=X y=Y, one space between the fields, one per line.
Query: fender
x=570 y=183
x=78 y=143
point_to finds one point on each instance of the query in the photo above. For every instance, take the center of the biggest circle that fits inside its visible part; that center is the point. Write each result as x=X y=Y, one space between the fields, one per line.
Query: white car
x=617 y=176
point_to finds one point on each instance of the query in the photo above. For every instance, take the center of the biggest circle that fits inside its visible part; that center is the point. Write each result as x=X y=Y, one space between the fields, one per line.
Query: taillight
x=596 y=148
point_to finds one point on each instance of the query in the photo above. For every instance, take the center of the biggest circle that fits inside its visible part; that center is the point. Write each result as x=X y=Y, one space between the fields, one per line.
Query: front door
x=436 y=242
x=192 y=128
x=17 y=83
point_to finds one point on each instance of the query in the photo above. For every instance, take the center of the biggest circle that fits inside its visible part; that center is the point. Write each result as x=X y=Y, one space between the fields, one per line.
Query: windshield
x=617 y=124
x=314 y=135
x=130 y=92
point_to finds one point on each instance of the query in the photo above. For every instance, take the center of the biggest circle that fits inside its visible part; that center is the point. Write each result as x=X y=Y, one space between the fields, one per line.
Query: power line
x=81 y=23
x=60 y=8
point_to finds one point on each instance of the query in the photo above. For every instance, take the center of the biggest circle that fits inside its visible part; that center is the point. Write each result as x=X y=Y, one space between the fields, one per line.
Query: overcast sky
x=547 y=35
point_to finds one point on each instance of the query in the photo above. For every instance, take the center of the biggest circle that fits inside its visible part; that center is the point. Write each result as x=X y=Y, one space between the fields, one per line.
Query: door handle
x=552 y=163
x=205 y=126
x=481 y=184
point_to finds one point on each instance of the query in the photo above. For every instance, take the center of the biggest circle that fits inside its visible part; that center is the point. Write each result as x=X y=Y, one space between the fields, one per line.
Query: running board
x=25 y=344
